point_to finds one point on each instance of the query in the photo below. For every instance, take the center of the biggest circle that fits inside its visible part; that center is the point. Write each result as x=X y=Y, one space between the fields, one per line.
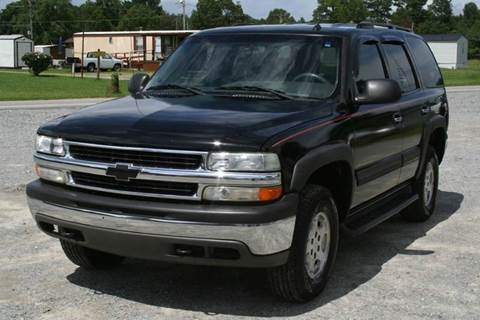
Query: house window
x=139 y=44
x=110 y=40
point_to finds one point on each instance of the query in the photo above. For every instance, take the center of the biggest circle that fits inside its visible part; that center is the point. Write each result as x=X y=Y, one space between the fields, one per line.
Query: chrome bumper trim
x=261 y=239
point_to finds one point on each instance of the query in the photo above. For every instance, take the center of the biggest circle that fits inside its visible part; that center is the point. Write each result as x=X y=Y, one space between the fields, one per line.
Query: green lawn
x=463 y=77
x=24 y=86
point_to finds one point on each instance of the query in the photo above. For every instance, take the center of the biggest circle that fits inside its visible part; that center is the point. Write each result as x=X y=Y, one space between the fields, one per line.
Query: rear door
x=416 y=115
x=377 y=141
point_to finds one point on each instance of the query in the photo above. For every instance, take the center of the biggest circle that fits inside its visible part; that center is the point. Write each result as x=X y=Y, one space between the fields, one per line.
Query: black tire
x=117 y=67
x=420 y=210
x=292 y=281
x=91 y=67
x=88 y=258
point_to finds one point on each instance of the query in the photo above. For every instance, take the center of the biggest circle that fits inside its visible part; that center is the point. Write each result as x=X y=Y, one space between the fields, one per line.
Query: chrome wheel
x=428 y=184
x=318 y=245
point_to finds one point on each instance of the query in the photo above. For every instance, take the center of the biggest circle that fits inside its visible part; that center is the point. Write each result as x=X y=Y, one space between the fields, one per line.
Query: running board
x=367 y=216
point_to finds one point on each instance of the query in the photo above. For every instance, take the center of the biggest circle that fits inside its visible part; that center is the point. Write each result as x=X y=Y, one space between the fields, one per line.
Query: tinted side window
x=400 y=67
x=426 y=63
x=370 y=65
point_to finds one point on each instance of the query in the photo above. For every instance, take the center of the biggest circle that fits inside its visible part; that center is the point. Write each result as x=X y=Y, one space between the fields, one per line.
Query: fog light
x=223 y=193
x=51 y=174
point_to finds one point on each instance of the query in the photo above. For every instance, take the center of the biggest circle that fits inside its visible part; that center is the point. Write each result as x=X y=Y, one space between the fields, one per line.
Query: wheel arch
x=330 y=166
x=435 y=136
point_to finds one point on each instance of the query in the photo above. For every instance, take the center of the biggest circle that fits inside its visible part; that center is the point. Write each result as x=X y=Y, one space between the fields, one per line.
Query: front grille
x=134 y=185
x=136 y=158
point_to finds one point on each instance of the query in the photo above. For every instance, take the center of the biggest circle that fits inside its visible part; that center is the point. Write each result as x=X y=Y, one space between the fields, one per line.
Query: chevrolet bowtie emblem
x=122 y=172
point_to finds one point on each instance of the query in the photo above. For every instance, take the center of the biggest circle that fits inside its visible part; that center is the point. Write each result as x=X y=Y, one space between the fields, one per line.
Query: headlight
x=225 y=161
x=50 y=145
x=224 y=193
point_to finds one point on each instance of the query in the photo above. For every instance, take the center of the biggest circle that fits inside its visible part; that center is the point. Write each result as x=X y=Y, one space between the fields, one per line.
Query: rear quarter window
x=425 y=62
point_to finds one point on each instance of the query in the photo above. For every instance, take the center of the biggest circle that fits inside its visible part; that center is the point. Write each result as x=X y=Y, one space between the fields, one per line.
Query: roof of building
x=453 y=37
x=145 y=32
x=46 y=45
x=11 y=36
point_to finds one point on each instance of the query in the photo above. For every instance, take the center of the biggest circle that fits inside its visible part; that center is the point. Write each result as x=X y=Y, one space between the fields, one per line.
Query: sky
x=260 y=8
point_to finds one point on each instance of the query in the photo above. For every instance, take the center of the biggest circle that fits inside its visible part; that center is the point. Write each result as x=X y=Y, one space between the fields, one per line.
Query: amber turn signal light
x=269 y=193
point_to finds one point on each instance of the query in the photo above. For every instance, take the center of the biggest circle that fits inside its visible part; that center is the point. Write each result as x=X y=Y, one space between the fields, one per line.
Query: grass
x=463 y=77
x=24 y=86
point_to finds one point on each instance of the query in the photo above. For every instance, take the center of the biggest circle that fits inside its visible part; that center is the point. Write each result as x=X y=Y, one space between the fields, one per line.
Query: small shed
x=450 y=50
x=12 y=49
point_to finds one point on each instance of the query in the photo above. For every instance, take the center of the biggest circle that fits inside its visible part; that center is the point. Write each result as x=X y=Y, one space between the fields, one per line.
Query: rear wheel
x=89 y=258
x=427 y=188
x=313 y=249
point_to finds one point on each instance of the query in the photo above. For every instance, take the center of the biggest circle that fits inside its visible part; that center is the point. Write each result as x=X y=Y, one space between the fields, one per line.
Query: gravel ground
x=397 y=270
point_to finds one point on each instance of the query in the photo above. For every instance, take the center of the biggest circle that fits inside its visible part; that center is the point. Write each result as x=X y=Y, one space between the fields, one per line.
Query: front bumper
x=133 y=231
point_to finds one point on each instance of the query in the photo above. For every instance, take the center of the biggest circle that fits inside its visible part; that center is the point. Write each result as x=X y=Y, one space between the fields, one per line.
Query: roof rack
x=372 y=25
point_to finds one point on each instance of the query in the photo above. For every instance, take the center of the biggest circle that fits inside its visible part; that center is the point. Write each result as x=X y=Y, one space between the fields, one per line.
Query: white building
x=12 y=49
x=450 y=50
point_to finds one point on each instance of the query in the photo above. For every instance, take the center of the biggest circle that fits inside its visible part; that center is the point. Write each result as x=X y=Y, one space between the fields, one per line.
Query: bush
x=114 y=84
x=37 y=62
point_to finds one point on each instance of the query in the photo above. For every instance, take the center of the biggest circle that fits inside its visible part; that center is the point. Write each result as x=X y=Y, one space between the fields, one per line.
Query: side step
x=376 y=211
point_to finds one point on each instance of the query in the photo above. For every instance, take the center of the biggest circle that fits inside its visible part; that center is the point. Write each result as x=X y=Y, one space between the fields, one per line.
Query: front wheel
x=313 y=250
x=117 y=67
x=91 y=67
x=427 y=188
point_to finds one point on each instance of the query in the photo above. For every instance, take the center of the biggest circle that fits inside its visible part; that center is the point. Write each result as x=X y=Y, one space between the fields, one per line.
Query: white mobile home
x=12 y=49
x=450 y=50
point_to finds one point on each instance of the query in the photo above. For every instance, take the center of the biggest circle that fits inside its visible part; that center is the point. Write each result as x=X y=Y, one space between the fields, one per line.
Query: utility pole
x=183 y=3
x=30 y=15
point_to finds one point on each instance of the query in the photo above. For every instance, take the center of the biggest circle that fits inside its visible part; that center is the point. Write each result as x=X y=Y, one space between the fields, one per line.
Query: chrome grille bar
x=199 y=176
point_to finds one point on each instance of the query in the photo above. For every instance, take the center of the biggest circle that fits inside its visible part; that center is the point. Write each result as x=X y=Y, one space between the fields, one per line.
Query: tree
x=471 y=13
x=142 y=17
x=409 y=13
x=340 y=11
x=438 y=18
x=379 y=10
x=442 y=11
x=279 y=16
x=14 y=18
x=216 y=13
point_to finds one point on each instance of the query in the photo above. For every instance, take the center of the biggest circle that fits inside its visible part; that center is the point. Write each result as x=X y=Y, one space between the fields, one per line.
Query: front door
x=377 y=141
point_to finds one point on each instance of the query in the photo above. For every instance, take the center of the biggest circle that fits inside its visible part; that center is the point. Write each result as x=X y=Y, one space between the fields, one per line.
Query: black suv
x=251 y=146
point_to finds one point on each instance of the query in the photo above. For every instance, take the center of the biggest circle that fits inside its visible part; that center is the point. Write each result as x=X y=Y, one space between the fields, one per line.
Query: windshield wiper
x=193 y=90
x=277 y=93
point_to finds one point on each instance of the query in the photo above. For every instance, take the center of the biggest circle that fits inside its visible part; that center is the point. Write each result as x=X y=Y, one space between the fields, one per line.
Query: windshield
x=298 y=66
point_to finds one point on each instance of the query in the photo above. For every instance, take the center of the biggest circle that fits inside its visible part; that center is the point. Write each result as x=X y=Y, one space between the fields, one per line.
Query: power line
x=85 y=20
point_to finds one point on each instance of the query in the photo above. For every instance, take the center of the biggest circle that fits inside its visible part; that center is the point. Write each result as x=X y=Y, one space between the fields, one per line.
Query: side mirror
x=138 y=82
x=379 y=91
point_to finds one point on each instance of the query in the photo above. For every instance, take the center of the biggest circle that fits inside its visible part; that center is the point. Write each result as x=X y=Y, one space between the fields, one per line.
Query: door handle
x=426 y=109
x=397 y=117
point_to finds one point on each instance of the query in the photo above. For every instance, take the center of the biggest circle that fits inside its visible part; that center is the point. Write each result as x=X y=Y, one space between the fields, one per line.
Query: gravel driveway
x=398 y=270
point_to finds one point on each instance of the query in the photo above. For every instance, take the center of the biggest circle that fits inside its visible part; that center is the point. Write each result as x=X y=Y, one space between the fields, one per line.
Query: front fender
x=318 y=158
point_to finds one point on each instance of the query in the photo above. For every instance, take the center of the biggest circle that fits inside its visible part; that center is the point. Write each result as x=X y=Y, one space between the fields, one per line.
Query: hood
x=188 y=123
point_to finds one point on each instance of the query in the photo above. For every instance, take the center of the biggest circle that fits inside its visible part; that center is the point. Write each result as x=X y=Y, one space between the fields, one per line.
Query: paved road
x=398 y=270
x=50 y=104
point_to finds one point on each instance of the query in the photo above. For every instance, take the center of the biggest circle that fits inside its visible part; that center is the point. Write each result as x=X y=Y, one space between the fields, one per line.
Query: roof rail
x=372 y=25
